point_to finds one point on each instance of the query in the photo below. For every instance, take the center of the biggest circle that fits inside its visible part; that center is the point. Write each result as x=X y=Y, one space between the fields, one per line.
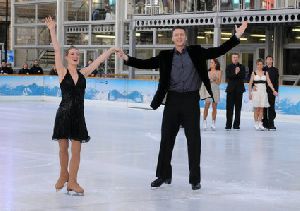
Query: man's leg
x=238 y=107
x=191 y=123
x=169 y=130
x=271 y=111
x=266 y=118
x=229 y=109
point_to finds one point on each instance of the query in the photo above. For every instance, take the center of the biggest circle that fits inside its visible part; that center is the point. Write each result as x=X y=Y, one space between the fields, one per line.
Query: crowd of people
x=35 y=68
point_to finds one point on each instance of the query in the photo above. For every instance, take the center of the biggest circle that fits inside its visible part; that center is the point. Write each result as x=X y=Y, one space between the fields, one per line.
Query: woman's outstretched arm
x=95 y=64
x=61 y=71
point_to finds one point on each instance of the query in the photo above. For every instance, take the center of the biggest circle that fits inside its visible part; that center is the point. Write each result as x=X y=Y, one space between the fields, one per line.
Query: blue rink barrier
x=133 y=91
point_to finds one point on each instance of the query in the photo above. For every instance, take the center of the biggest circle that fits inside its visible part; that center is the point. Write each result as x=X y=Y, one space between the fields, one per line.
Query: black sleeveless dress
x=69 y=120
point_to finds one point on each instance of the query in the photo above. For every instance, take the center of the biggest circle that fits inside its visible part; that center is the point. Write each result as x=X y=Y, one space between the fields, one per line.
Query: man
x=270 y=113
x=181 y=71
x=36 y=69
x=235 y=74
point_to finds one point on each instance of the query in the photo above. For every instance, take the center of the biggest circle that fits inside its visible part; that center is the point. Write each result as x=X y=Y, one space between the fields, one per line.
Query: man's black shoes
x=196 y=186
x=272 y=128
x=158 y=182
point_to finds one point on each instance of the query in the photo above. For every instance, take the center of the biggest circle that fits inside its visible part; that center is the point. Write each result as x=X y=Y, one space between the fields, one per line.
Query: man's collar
x=183 y=50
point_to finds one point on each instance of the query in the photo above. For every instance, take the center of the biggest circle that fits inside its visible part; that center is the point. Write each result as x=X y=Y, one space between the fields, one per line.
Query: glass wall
x=103 y=38
x=43 y=35
x=77 y=10
x=144 y=38
x=293 y=34
x=164 y=37
x=253 y=34
x=77 y=38
x=205 y=35
x=44 y=10
x=25 y=14
x=24 y=56
x=25 y=36
x=152 y=7
x=292 y=62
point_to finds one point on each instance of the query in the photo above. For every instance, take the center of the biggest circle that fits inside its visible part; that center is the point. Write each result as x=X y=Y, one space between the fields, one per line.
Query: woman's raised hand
x=50 y=23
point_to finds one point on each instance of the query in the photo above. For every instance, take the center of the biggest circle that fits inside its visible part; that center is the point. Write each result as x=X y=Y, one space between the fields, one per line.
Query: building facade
x=143 y=28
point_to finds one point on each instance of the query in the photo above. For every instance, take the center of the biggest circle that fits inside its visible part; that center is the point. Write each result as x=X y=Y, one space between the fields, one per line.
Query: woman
x=215 y=76
x=25 y=69
x=69 y=120
x=53 y=70
x=258 y=93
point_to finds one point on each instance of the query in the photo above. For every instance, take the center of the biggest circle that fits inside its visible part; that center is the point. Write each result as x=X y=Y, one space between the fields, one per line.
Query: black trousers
x=270 y=113
x=233 y=101
x=180 y=109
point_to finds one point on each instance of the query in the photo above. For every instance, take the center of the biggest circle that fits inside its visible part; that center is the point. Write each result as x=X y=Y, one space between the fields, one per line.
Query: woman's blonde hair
x=70 y=48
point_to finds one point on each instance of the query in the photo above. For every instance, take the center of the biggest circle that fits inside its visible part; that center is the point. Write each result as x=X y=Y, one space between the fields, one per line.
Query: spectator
x=25 y=69
x=108 y=15
x=9 y=68
x=53 y=70
x=235 y=74
x=36 y=69
x=4 y=69
x=96 y=15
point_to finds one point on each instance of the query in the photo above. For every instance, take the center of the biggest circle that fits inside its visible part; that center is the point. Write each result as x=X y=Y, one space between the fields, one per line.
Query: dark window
x=292 y=62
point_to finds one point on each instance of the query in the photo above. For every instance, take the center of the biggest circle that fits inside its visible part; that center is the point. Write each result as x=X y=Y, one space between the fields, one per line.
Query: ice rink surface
x=241 y=170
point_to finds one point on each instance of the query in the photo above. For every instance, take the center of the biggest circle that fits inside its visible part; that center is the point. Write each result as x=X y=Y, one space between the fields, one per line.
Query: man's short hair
x=269 y=56
x=178 y=27
x=235 y=54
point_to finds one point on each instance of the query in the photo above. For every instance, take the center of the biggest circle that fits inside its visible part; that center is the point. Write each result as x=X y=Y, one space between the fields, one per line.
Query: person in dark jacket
x=36 y=69
x=25 y=69
x=5 y=68
x=181 y=71
x=270 y=113
x=235 y=75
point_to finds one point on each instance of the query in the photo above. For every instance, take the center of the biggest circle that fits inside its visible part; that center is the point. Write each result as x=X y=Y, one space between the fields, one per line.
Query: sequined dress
x=70 y=121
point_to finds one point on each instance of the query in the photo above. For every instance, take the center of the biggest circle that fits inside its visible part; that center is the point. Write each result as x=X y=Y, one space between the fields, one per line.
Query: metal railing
x=297 y=81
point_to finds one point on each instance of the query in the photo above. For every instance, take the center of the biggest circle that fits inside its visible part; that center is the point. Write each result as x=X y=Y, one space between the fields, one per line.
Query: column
x=132 y=46
x=119 y=32
x=278 y=49
x=60 y=25
x=269 y=47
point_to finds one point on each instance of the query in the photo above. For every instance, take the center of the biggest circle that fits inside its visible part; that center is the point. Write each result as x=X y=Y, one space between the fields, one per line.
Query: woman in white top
x=258 y=93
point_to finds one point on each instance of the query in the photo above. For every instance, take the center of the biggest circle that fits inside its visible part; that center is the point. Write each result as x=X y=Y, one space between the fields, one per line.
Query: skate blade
x=73 y=193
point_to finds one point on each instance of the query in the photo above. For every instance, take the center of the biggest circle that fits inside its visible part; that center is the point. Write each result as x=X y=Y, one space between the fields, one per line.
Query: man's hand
x=239 y=31
x=237 y=70
x=120 y=53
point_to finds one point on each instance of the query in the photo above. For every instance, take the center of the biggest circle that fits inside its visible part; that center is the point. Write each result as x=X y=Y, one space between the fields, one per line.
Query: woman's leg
x=256 y=114
x=74 y=167
x=214 y=115
x=206 y=107
x=261 y=114
x=64 y=161
x=205 y=113
x=214 y=111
